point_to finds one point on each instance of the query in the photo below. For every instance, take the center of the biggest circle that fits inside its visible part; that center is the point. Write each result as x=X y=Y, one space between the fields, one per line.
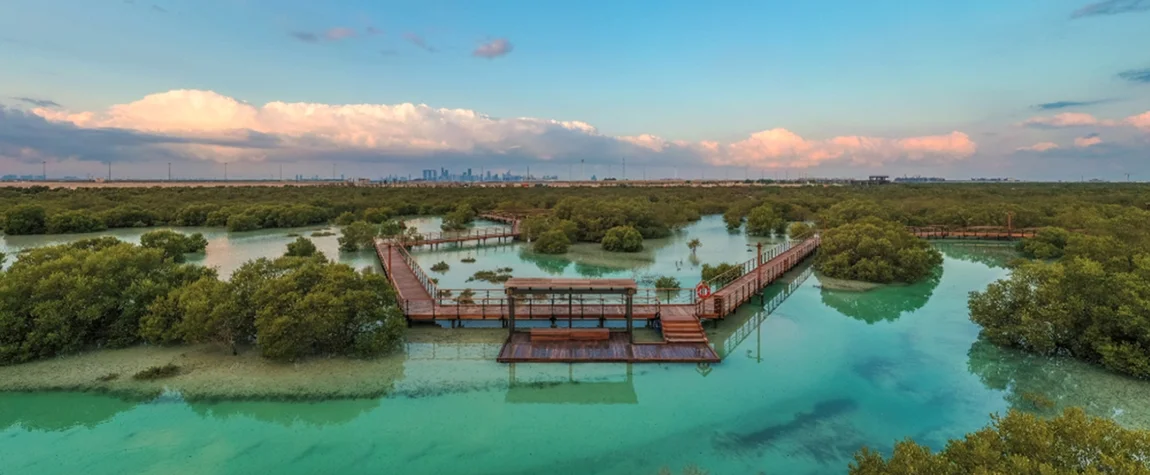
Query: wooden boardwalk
x=684 y=339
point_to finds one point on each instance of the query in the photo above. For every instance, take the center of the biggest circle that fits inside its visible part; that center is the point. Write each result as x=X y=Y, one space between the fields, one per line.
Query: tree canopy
x=873 y=250
x=764 y=220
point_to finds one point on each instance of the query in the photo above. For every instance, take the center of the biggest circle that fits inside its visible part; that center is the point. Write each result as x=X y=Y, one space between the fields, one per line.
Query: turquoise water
x=799 y=390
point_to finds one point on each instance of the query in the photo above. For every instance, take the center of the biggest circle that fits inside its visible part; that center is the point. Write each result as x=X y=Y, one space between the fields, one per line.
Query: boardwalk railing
x=436 y=237
x=484 y=304
x=942 y=232
x=739 y=289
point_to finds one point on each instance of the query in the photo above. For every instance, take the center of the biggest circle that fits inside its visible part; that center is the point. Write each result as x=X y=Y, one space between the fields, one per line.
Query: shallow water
x=800 y=389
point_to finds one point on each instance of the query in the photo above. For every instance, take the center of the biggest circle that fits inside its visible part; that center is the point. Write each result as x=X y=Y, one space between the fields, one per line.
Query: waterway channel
x=808 y=377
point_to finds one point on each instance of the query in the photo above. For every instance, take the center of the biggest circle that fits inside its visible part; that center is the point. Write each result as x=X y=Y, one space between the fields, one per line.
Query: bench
x=570 y=334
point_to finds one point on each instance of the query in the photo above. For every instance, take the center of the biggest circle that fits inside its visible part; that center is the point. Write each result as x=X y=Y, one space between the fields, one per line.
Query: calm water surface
x=801 y=388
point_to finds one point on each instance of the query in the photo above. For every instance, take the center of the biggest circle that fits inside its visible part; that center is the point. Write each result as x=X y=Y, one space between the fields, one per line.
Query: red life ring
x=703 y=290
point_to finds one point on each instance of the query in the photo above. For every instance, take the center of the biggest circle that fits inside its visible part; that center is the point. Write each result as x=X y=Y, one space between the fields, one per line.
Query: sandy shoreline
x=209 y=372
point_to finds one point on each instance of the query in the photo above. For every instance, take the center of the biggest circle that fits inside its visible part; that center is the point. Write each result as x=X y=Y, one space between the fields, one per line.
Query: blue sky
x=687 y=72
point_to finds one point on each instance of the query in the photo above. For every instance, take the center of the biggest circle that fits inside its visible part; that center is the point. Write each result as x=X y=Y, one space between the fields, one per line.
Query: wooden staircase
x=682 y=329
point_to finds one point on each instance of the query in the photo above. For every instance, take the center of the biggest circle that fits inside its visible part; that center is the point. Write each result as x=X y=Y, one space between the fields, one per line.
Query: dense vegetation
x=874 y=250
x=459 y=218
x=764 y=220
x=653 y=211
x=1021 y=443
x=1092 y=303
x=1075 y=307
x=104 y=293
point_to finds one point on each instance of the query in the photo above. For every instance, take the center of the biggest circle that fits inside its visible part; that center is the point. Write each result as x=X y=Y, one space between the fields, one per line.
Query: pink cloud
x=316 y=130
x=1067 y=119
x=493 y=49
x=1087 y=141
x=1142 y=121
x=778 y=148
x=339 y=33
x=1039 y=147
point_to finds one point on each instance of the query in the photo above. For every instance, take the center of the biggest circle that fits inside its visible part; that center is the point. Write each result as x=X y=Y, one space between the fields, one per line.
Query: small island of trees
x=873 y=250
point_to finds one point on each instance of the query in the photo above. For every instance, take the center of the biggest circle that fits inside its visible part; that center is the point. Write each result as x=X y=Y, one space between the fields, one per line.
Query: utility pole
x=333 y=172
x=44 y=171
x=109 y=171
x=225 y=171
x=169 y=171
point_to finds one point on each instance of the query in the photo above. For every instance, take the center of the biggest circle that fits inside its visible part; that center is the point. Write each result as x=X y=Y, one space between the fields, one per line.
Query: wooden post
x=630 y=325
x=511 y=312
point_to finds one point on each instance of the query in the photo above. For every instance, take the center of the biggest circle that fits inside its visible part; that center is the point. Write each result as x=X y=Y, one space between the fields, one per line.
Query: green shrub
x=174 y=244
x=554 y=241
x=301 y=247
x=623 y=239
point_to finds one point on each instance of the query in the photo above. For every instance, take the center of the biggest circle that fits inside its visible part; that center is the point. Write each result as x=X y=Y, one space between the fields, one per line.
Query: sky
x=1029 y=89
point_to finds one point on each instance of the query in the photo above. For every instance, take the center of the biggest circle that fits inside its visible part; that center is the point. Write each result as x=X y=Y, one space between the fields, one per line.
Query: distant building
x=878 y=179
x=429 y=175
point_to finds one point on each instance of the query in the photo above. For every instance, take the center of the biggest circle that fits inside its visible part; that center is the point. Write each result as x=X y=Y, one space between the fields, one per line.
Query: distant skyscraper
x=429 y=175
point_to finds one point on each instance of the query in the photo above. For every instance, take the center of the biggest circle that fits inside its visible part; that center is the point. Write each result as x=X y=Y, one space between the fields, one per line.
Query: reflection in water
x=885 y=303
x=57 y=411
x=1048 y=384
x=592 y=270
x=554 y=265
x=572 y=389
x=288 y=413
x=749 y=322
x=991 y=254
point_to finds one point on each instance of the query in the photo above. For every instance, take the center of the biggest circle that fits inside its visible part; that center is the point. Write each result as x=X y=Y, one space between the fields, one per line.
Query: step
x=686 y=340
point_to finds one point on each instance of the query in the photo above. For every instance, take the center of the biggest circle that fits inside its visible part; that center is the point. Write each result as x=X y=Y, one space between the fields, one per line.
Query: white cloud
x=212 y=123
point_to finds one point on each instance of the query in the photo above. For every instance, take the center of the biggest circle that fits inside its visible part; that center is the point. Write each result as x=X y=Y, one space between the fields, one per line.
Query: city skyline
x=1056 y=91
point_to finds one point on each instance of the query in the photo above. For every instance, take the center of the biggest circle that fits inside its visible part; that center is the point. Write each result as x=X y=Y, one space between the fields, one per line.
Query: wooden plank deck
x=520 y=349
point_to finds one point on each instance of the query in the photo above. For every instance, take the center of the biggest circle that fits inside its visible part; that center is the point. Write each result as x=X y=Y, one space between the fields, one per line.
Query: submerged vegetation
x=497 y=276
x=157 y=372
